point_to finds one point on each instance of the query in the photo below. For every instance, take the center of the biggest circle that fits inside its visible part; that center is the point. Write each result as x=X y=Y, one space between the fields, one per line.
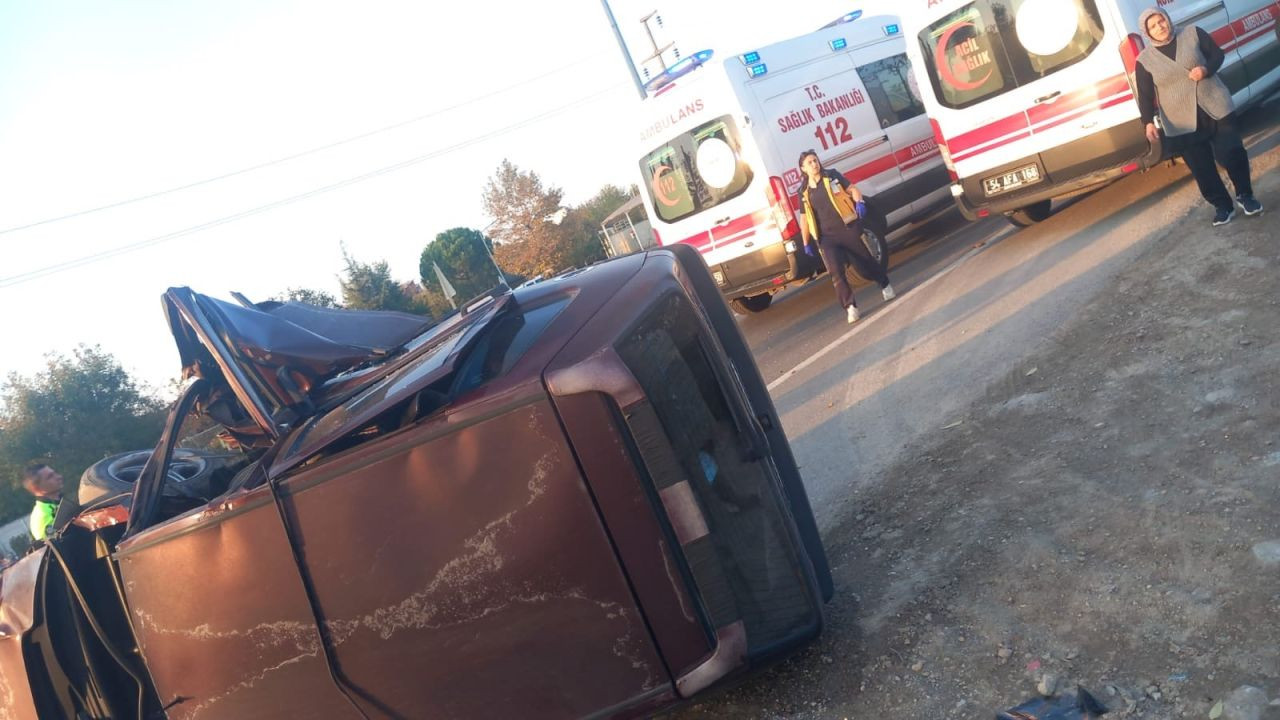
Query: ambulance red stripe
x=920 y=160
x=1078 y=100
x=1109 y=92
x=966 y=142
x=743 y=227
x=1238 y=32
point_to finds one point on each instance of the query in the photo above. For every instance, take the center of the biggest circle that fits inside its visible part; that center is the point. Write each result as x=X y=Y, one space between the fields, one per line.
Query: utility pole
x=657 y=52
x=626 y=54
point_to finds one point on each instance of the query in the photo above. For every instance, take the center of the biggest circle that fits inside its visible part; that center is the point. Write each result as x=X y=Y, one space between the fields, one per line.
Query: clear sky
x=103 y=102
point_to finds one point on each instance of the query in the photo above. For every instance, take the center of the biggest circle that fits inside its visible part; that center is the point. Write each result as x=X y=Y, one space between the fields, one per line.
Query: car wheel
x=189 y=474
x=1031 y=214
x=751 y=303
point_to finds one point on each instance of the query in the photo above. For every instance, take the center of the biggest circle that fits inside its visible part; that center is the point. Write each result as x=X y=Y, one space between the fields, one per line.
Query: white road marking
x=858 y=326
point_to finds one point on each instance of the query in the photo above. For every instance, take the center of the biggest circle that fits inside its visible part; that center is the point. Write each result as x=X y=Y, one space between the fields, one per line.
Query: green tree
x=70 y=415
x=463 y=255
x=369 y=286
x=527 y=238
x=582 y=225
x=320 y=298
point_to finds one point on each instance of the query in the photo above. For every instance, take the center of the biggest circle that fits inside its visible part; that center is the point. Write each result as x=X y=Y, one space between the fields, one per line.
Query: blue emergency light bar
x=757 y=70
x=838 y=44
x=850 y=17
x=683 y=67
x=750 y=58
x=891 y=29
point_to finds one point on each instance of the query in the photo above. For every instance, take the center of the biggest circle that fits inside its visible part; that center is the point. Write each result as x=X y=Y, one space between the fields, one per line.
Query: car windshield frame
x=430 y=361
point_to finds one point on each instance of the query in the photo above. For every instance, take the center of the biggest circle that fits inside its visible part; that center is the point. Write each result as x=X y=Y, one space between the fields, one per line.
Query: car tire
x=1031 y=214
x=751 y=304
x=190 y=470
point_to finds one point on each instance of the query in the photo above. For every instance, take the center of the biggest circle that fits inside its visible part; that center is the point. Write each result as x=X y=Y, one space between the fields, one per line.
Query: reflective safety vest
x=42 y=517
x=840 y=198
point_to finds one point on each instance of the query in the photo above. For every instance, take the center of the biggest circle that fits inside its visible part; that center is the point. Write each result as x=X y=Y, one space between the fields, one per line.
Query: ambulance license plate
x=1025 y=175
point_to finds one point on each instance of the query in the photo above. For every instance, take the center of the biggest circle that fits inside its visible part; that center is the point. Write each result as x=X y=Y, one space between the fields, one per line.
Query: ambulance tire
x=876 y=245
x=750 y=304
x=879 y=250
x=1031 y=214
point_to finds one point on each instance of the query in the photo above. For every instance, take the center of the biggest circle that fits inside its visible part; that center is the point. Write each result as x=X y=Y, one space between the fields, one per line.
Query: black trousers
x=844 y=247
x=1218 y=141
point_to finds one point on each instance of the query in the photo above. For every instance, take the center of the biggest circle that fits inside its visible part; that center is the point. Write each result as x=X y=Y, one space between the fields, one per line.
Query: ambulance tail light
x=942 y=148
x=776 y=192
x=1130 y=47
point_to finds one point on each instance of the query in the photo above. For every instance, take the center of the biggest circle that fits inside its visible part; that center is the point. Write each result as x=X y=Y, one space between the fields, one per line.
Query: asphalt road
x=974 y=299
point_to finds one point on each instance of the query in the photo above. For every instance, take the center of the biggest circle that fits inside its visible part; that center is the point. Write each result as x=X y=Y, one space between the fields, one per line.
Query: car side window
x=888 y=83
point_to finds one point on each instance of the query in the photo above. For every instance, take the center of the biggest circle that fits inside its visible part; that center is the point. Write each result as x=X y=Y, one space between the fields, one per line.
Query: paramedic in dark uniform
x=1179 y=72
x=833 y=209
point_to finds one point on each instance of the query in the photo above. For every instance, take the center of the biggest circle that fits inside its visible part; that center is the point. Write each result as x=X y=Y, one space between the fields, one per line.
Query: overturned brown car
x=572 y=500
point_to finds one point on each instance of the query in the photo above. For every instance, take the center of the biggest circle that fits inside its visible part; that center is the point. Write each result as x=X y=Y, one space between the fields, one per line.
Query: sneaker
x=1249 y=204
x=852 y=314
x=1223 y=216
x=888 y=293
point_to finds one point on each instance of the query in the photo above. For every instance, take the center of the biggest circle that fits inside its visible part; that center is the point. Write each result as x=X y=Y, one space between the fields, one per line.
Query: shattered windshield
x=427 y=361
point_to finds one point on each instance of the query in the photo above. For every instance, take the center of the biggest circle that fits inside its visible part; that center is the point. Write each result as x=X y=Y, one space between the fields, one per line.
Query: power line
x=295 y=156
x=37 y=273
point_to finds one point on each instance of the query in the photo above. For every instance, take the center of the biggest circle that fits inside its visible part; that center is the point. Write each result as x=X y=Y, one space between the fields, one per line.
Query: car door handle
x=1048 y=97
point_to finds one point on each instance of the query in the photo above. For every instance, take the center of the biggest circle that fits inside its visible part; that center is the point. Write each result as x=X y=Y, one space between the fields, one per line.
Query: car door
x=464 y=572
x=222 y=616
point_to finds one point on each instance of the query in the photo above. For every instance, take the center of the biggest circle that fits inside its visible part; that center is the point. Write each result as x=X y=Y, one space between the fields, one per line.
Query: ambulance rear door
x=1018 y=80
x=703 y=176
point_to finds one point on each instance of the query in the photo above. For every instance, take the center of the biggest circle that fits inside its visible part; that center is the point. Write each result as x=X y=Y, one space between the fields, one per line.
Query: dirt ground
x=1101 y=516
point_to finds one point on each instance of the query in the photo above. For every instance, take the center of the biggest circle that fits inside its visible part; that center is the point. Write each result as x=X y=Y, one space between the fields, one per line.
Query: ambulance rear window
x=992 y=46
x=696 y=170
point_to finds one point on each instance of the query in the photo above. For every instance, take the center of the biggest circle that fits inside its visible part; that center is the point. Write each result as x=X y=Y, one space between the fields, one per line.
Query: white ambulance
x=1034 y=100
x=720 y=141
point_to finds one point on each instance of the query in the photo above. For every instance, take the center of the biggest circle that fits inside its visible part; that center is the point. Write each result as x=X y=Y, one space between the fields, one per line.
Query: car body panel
x=474 y=555
x=17 y=617
x=222 y=618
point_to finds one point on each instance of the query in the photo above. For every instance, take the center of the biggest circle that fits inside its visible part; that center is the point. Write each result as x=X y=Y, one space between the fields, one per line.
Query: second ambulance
x=1034 y=100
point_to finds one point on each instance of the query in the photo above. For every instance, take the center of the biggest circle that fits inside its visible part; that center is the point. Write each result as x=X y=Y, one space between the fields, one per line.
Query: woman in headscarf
x=833 y=210
x=1179 y=71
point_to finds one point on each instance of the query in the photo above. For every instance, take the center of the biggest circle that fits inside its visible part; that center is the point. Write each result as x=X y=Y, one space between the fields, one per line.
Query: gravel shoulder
x=1107 y=514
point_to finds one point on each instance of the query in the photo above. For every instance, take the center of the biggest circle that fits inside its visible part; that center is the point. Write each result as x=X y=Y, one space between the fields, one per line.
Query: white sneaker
x=852 y=314
x=888 y=293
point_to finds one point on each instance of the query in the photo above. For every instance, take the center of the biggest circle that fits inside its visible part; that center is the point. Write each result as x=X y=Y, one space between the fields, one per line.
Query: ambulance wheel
x=1031 y=214
x=878 y=248
x=751 y=303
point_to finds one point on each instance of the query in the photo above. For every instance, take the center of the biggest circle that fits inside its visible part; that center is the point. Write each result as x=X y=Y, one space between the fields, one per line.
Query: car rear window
x=696 y=170
x=990 y=47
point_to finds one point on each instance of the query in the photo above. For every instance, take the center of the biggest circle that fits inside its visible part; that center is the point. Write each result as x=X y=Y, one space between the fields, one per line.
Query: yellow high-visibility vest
x=841 y=200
